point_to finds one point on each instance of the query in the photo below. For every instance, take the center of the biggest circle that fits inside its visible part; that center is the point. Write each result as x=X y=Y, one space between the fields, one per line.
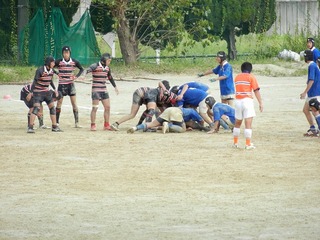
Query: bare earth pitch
x=80 y=184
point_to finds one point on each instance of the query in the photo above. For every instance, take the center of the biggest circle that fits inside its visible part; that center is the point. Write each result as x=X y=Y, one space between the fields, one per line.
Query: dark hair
x=308 y=55
x=104 y=58
x=246 y=67
x=222 y=55
x=166 y=84
x=48 y=60
x=175 y=89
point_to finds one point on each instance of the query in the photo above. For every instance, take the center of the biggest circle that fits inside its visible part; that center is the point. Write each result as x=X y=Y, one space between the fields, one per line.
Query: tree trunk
x=231 y=42
x=128 y=45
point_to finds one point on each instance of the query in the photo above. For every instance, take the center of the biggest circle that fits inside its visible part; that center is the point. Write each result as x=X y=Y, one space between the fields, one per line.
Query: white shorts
x=203 y=106
x=309 y=98
x=227 y=97
x=244 y=108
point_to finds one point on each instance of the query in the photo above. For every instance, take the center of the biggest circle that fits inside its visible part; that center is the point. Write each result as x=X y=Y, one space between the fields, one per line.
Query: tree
x=149 y=22
x=234 y=17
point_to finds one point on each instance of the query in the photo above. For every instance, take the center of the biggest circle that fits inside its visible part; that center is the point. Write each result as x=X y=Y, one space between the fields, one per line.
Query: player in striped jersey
x=246 y=84
x=41 y=92
x=137 y=101
x=66 y=66
x=101 y=74
x=26 y=96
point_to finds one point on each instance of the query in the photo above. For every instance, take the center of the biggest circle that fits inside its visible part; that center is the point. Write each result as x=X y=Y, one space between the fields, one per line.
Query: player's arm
x=182 y=92
x=304 y=93
x=81 y=70
x=258 y=96
x=113 y=83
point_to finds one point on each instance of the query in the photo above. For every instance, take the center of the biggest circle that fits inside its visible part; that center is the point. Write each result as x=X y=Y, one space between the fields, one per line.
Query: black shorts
x=39 y=97
x=161 y=121
x=137 y=99
x=30 y=103
x=67 y=89
x=150 y=96
x=99 y=95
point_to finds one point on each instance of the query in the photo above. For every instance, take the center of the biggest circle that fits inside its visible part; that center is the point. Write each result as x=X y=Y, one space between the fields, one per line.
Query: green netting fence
x=42 y=38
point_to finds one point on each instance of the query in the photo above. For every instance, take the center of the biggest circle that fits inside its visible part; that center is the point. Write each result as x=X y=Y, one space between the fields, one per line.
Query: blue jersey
x=192 y=97
x=313 y=74
x=316 y=54
x=226 y=85
x=220 y=109
x=197 y=85
x=190 y=114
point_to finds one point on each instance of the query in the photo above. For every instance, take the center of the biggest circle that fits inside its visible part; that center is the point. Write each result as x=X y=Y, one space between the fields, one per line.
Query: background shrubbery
x=260 y=48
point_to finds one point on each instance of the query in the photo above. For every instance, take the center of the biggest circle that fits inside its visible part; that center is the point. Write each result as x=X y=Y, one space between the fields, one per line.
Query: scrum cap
x=210 y=101
x=314 y=103
x=222 y=55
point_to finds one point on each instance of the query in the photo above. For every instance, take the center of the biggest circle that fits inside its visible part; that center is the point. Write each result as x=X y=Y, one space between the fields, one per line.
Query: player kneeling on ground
x=173 y=119
x=315 y=108
x=221 y=113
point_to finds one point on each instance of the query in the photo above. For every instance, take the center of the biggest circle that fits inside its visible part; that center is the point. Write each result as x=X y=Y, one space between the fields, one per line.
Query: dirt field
x=113 y=185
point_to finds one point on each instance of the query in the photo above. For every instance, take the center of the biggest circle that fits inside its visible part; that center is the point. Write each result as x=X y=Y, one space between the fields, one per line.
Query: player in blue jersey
x=312 y=90
x=314 y=50
x=195 y=98
x=184 y=87
x=225 y=78
x=314 y=105
x=173 y=119
x=221 y=112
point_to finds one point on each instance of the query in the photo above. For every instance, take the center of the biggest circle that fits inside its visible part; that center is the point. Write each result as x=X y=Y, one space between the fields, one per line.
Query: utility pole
x=23 y=19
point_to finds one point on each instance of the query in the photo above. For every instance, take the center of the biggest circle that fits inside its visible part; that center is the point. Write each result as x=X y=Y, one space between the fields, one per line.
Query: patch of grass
x=16 y=74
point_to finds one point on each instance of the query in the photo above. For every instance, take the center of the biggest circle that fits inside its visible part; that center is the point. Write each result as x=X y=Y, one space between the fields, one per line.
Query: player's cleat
x=115 y=127
x=249 y=147
x=107 y=128
x=150 y=130
x=227 y=131
x=30 y=130
x=311 y=133
x=235 y=146
x=165 y=127
x=44 y=127
x=76 y=125
x=93 y=127
x=131 y=130
x=56 y=129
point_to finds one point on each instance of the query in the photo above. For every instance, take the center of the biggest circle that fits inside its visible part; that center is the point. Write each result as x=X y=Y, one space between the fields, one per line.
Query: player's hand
x=200 y=74
x=303 y=95
x=117 y=91
x=179 y=97
x=261 y=108
x=213 y=131
x=29 y=96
